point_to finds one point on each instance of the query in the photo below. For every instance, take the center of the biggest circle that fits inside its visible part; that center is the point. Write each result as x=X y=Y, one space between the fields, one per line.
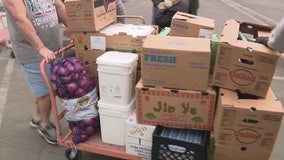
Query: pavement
x=18 y=141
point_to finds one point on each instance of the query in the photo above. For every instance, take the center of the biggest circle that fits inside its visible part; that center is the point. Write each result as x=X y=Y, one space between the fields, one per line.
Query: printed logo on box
x=247 y=135
x=242 y=77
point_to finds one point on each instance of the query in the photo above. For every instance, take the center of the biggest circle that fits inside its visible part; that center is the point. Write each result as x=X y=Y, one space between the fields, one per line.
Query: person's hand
x=175 y=1
x=162 y=6
x=47 y=54
x=262 y=40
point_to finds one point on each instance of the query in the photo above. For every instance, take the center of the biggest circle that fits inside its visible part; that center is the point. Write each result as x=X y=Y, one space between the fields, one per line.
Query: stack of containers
x=117 y=77
x=90 y=18
x=248 y=115
x=95 y=31
x=174 y=91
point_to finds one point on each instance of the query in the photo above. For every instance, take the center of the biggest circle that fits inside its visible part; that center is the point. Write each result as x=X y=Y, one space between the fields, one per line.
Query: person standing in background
x=167 y=9
x=164 y=10
x=34 y=31
x=193 y=7
x=120 y=10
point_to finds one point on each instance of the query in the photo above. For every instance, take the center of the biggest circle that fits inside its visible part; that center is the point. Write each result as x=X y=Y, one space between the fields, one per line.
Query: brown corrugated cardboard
x=242 y=64
x=247 y=123
x=90 y=40
x=121 y=42
x=176 y=62
x=89 y=56
x=188 y=25
x=230 y=153
x=175 y=108
x=138 y=137
x=89 y=15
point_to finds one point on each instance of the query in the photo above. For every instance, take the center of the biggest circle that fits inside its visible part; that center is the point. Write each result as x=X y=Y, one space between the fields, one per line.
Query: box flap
x=198 y=20
x=230 y=31
x=177 y=43
x=256 y=30
x=257 y=106
x=269 y=103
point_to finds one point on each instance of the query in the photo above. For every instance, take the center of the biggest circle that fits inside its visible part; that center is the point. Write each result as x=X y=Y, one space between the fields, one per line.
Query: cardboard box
x=176 y=62
x=138 y=137
x=117 y=42
x=247 y=123
x=89 y=57
x=127 y=37
x=175 y=108
x=188 y=25
x=89 y=15
x=121 y=41
x=241 y=64
x=90 y=40
x=230 y=153
x=93 y=70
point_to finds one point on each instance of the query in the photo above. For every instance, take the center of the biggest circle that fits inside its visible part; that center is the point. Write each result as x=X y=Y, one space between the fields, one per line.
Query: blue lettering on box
x=160 y=59
x=177 y=43
x=181 y=26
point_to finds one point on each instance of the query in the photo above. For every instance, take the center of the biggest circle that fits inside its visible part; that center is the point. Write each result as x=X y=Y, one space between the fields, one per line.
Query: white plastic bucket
x=117 y=77
x=112 y=121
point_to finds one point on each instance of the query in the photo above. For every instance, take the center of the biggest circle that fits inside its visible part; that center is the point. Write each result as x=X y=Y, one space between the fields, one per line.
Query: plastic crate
x=196 y=146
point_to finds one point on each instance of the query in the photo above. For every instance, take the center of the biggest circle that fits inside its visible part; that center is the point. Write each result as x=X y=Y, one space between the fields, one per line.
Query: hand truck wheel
x=73 y=154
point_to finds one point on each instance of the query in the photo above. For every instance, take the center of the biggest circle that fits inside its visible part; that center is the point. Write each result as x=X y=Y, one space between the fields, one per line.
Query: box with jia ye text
x=175 y=108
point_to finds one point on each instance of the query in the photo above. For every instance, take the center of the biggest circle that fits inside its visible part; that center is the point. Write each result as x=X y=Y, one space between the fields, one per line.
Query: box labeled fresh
x=176 y=62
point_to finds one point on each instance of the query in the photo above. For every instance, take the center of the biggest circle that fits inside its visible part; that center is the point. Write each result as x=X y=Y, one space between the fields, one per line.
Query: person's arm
x=156 y=2
x=61 y=11
x=18 y=11
x=120 y=9
x=163 y=5
x=276 y=38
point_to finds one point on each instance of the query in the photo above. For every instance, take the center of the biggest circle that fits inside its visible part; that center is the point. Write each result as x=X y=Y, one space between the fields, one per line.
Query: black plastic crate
x=170 y=148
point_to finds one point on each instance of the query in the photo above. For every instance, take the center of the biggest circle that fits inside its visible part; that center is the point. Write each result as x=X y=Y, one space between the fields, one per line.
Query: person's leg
x=43 y=107
x=36 y=114
x=36 y=117
x=42 y=101
x=154 y=14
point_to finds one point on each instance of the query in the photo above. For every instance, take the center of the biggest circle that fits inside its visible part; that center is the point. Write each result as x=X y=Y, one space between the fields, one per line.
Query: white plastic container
x=112 y=121
x=117 y=77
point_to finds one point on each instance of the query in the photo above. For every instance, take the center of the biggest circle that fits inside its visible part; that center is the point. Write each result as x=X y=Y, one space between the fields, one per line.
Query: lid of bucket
x=120 y=108
x=115 y=58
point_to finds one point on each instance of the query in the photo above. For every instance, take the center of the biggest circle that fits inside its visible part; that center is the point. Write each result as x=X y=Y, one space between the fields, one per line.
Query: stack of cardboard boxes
x=248 y=115
x=174 y=91
x=87 y=19
x=102 y=54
